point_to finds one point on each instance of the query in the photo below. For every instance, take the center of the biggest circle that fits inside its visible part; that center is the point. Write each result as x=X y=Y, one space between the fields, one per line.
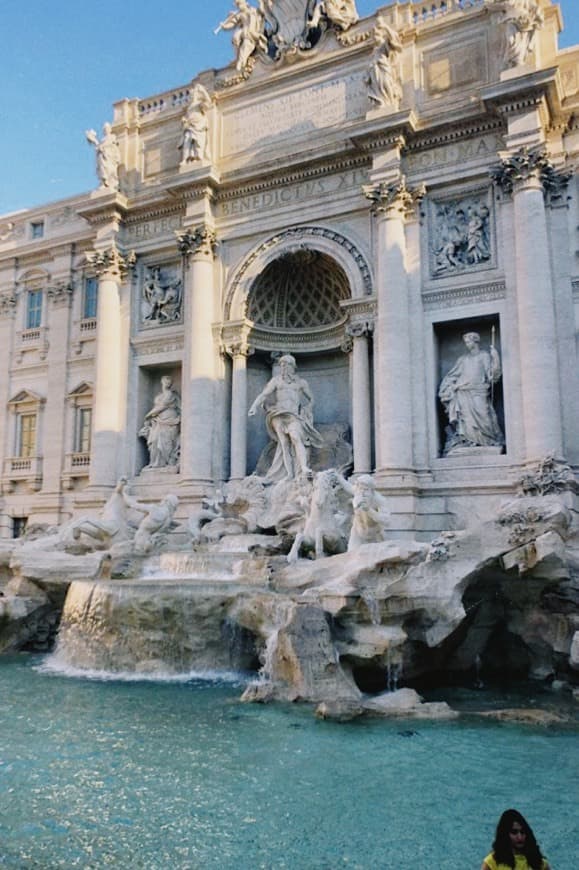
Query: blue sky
x=64 y=62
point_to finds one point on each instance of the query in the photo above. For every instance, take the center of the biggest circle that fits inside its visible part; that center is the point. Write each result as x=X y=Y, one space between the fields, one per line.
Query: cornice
x=104 y=209
x=306 y=171
x=518 y=93
x=152 y=211
x=447 y=135
x=456 y=296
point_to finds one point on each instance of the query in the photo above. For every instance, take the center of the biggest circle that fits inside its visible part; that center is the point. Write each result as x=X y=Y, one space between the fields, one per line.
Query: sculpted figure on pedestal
x=162 y=427
x=523 y=20
x=249 y=26
x=108 y=157
x=341 y=13
x=466 y=393
x=288 y=404
x=384 y=76
x=195 y=139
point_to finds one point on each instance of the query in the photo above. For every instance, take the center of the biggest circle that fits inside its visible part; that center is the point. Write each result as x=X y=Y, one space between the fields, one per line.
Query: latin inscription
x=457 y=153
x=152 y=229
x=296 y=114
x=290 y=193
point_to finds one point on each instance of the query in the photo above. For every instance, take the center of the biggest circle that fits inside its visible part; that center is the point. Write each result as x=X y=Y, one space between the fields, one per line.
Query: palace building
x=391 y=200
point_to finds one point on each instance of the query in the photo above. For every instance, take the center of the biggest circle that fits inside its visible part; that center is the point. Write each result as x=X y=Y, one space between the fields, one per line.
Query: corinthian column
x=111 y=266
x=239 y=351
x=525 y=174
x=391 y=204
x=360 y=332
x=197 y=427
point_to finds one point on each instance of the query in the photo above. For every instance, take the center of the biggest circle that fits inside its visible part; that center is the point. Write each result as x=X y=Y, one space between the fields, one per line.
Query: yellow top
x=521 y=863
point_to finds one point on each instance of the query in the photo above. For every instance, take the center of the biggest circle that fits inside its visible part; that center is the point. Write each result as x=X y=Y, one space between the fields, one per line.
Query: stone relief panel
x=161 y=297
x=461 y=234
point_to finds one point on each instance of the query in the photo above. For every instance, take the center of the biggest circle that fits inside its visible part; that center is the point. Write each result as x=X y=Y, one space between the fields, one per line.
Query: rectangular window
x=19 y=526
x=37 y=230
x=84 y=430
x=26 y=435
x=34 y=309
x=89 y=310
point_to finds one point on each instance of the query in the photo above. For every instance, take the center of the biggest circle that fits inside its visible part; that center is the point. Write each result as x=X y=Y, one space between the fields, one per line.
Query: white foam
x=52 y=666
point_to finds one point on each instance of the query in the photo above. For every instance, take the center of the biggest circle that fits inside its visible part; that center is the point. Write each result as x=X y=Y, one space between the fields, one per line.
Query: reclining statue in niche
x=288 y=404
x=467 y=395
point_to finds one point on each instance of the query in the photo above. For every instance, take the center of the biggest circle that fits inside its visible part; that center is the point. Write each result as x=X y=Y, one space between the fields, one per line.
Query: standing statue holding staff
x=249 y=26
x=288 y=404
x=108 y=156
x=467 y=393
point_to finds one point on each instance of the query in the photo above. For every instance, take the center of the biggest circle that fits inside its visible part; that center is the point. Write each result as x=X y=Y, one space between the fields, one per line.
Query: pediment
x=26 y=397
x=85 y=388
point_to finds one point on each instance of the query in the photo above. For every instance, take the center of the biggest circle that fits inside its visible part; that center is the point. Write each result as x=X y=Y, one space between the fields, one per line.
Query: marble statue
x=523 y=19
x=108 y=157
x=341 y=13
x=467 y=395
x=162 y=297
x=157 y=520
x=248 y=25
x=194 y=143
x=325 y=521
x=162 y=427
x=288 y=404
x=111 y=527
x=371 y=516
x=383 y=78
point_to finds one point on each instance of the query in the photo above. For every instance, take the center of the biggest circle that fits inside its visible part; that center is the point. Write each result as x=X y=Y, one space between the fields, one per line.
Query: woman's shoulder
x=490 y=862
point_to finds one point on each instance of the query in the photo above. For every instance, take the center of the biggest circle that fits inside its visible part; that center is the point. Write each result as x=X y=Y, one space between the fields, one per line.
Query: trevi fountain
x=305 y=593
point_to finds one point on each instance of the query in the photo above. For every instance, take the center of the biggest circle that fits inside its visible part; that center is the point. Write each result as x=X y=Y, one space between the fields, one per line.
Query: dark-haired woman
x=515 y=846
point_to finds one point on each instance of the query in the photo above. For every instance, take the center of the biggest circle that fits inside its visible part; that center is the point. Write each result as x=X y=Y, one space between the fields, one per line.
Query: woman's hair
x=502 y=848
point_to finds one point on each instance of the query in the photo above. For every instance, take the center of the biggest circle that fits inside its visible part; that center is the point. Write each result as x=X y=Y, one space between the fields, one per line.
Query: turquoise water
x=140 y=775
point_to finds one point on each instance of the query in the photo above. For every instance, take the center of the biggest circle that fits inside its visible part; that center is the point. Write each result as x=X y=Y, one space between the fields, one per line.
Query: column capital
x=111 y=262
x=394 y=198
x=528 y=169
x=360 y=328
x=200 y=242
x=60 y=294
x=240 y=348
